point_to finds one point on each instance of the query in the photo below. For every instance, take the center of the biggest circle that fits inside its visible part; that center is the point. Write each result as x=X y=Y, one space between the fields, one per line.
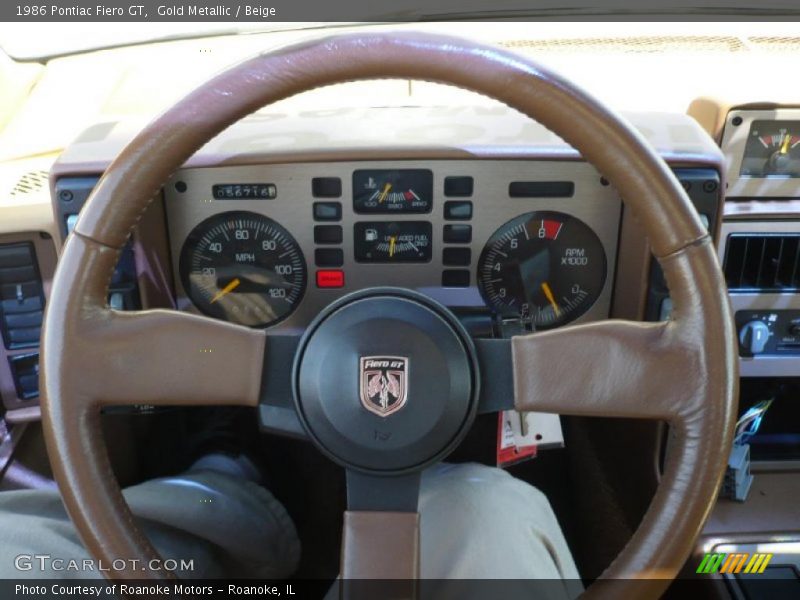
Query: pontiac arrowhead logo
x=383 y=387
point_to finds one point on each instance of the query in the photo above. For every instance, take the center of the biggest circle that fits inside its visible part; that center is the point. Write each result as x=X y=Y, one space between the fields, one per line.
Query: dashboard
x=281 y=215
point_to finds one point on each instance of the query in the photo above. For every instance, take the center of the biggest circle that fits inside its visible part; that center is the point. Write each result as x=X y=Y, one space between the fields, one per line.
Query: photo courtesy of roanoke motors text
x=404 y=300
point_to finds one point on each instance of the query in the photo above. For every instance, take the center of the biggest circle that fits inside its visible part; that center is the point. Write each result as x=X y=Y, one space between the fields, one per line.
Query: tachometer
x=243 y=267
x=546 y=267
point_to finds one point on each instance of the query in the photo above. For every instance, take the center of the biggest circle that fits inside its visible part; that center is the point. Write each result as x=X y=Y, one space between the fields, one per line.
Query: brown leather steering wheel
x=683 y=371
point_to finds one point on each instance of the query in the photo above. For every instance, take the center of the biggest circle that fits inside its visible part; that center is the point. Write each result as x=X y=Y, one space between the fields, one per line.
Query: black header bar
x=267 y=11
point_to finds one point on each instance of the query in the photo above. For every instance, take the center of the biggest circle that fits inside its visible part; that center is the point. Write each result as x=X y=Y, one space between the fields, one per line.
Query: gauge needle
x=386 y=189
x=785 y=146
x=226 y=290
x=548 y=293
x=392 y=242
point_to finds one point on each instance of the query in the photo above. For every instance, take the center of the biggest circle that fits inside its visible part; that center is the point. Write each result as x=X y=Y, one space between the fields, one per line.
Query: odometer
x=545 y=267
x=243 y=267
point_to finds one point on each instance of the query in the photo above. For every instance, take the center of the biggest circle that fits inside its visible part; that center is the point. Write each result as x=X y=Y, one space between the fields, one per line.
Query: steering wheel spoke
x=163 y=357
x=382 y=513
x=155 y=357
x=608 y=368
x=276 y=410
x=497 y=375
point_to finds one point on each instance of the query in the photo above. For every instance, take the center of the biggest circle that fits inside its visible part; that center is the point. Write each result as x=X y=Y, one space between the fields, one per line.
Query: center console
x=759 y=249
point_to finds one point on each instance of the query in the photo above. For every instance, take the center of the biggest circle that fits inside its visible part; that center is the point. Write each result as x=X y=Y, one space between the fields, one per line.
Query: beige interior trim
x=397 y=536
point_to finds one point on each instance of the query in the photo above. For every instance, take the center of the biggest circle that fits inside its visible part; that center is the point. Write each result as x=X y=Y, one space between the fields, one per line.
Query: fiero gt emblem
x=383 y=384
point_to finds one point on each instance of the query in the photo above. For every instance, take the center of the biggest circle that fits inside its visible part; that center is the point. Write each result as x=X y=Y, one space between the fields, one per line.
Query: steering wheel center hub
x=386 y=381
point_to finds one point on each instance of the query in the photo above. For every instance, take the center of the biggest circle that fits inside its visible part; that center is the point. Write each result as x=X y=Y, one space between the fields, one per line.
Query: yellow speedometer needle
x=226 y=290
x=548 y=293
x=785 y=146
x=392 y=242
x=386 y=189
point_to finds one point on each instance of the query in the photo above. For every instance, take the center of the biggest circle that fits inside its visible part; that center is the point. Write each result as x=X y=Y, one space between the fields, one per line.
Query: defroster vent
x=21 y=296
x=763 y=262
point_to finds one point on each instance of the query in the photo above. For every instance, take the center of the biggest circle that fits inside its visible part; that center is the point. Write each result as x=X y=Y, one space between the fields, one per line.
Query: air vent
x=763 y=262
x=775 y=44
x=21 y=296
x=30 y=182
x=631 y=45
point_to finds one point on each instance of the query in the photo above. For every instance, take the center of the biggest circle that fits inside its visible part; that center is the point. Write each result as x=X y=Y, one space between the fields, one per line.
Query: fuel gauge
x=772 y=150
x=387 y=242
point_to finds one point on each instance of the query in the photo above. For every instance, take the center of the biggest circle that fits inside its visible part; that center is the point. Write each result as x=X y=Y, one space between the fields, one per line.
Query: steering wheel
x=683 y=371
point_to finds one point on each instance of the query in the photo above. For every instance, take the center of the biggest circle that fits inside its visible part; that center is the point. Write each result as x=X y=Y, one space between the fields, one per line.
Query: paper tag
x=542 y=430
x=508 y=452
x=521 y=435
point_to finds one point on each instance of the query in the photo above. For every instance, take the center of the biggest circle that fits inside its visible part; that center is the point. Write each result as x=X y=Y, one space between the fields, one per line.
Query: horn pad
x=386 y=381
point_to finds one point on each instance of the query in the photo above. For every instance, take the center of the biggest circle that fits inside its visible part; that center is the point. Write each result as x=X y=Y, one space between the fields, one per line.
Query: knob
x=794 y=328
x=753 y=336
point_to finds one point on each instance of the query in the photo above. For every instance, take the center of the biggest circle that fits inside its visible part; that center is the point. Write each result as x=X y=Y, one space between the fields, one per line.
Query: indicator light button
x=458 y=210
x=455 y=278
x=326 y=187
x=327 y=211
x=458 y=234
x=329 y=257
x=456 y=257
x=458 y=186
x=328 y=234
x=330 y=278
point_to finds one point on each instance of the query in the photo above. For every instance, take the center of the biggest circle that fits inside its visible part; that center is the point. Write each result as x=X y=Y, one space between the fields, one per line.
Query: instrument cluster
x=532 y=242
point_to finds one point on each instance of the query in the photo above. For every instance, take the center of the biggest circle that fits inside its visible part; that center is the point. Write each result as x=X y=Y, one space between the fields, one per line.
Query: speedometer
x=243 y=267
x=545 y=267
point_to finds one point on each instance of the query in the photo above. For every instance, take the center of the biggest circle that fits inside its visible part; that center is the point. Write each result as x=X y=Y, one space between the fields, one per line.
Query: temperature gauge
x=381 y=242
x=392 y=191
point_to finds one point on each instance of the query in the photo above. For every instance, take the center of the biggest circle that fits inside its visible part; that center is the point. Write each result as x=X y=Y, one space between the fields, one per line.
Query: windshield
x=36 y=41
x=632 y=67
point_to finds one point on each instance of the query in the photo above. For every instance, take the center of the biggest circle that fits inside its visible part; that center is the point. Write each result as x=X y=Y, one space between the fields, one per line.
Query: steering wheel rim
x=637 y=361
